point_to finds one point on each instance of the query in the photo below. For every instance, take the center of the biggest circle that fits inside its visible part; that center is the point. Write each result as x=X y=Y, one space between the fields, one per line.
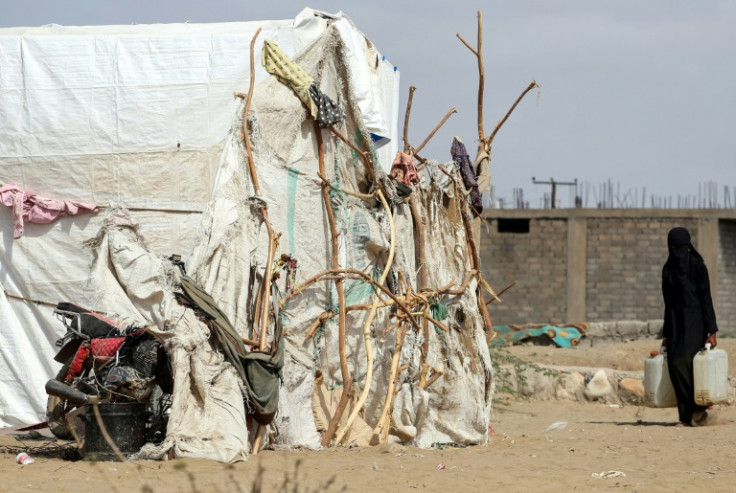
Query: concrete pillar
x=576 y=268
x=707 y=244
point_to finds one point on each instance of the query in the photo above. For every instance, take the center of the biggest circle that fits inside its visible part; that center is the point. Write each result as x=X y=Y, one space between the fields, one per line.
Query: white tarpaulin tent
x=132 y=114
x=144 y=116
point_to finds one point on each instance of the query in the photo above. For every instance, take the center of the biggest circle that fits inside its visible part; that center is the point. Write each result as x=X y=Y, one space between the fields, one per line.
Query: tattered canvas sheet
x=457 y=406
x=286 y=157
x=133 y=114
x=232 y=242
x=207 y=418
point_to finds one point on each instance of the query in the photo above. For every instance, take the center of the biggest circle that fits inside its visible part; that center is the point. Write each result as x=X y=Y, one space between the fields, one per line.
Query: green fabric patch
x=439 y=311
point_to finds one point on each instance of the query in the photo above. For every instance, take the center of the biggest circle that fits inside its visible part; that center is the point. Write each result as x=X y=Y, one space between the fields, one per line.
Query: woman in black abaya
x=689 y=320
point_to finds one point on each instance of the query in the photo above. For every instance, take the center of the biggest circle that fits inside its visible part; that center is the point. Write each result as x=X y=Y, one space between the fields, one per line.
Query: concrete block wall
x=597 y=265
x=624 y=266
x=537 y=260
x=726 y=292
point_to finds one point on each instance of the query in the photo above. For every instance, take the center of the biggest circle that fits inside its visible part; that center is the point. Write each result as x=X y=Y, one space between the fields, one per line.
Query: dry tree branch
x=473 y=50
x=475 y=262
x=339 y=286
x=347 y=192
x=498 y=296
x=531 y=86
x=248 y=100
x=363 y=154
x=317 y=322
x=367 y=326
x=265 y=290
x=478 y=52
x=380 y=432
x=435 y=129
x=354 y=273
x=407 y=147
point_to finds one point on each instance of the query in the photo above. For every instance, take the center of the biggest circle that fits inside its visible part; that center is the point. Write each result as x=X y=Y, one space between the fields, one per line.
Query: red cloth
x=404 y=166
x=32 y=208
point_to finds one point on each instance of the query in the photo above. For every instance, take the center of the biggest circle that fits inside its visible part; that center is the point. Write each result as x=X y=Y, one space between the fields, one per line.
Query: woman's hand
x=712 y=340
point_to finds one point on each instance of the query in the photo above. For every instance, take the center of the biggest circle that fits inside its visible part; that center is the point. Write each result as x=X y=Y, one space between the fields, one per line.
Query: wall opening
x=513 y=225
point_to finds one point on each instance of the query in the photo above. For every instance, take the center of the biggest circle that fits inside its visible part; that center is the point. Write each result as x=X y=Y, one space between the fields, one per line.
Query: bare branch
x=407 y=147
x=248 y=99
x=481 y=77
x=340 y=288
x=498 y=296
x=531 y=86
x=467 y=44
x=478 y=52
x=434 y=130
x=363 y=154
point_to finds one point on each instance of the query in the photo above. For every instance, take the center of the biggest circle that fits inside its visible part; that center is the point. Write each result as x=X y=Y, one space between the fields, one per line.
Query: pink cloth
x=405 y=169
x=32 y=208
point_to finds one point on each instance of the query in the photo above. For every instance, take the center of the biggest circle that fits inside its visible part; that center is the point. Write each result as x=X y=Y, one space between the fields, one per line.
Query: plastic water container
x=658 y=391
x=710 y=372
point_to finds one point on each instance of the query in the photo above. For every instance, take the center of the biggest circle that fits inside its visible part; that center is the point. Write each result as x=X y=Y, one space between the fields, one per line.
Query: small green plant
x=509 y=379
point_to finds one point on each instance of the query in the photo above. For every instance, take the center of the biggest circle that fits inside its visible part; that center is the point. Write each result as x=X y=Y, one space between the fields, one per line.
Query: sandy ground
x=538 y=446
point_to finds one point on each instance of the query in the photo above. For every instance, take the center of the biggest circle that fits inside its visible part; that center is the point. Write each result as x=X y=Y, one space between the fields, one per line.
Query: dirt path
x=524 y=455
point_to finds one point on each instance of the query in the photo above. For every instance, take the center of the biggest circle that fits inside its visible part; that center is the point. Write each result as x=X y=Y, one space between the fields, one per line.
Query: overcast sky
x=639 y=93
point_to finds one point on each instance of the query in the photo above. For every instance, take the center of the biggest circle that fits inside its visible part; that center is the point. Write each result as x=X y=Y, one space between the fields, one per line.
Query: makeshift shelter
x=143 y=116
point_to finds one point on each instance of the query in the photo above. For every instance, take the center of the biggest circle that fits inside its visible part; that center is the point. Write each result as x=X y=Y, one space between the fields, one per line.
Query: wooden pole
x=380 y=432
x=265 y=290
x=347 y=381
x=421 y=253
x=367 y=325
x=257 y=440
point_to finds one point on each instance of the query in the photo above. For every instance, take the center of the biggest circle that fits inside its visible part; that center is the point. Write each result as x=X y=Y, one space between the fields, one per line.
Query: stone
x=599 y=388
x=570 y=386
x=535 y=383
x=631 y=389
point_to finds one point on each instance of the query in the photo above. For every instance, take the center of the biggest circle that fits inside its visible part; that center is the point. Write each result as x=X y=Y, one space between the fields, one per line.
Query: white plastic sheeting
x=165 y=138
x=136 y=115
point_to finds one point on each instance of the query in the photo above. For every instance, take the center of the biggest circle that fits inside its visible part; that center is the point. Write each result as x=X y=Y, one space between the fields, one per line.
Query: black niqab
x=689 y=315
